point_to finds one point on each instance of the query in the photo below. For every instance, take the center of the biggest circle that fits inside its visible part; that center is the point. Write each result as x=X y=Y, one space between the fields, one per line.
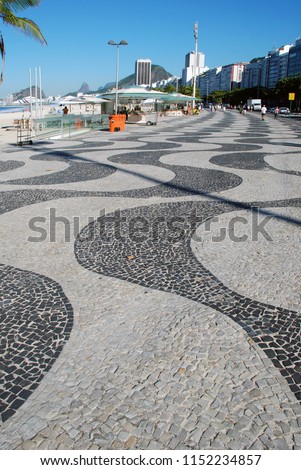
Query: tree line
x=278 y=96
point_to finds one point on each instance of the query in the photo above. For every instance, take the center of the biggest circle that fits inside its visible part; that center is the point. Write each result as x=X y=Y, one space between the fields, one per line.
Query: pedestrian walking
x=263 y=112
x=276 y=112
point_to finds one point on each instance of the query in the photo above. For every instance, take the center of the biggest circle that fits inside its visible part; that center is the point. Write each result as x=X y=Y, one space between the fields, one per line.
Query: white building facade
x=194 y=66
x=231 y=76
x=226 y=78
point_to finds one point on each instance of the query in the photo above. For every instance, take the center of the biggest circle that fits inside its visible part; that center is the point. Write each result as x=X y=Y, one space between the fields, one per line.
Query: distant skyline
x=77 y=36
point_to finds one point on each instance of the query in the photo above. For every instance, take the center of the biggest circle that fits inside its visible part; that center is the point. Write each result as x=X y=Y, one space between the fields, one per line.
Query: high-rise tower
x=194 y=66
x=143 y=72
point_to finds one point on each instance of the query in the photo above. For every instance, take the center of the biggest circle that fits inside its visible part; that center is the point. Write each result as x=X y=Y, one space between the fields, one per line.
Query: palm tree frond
x=8 y=8
x=28 y=27
x=31 y=28
x=17 y=5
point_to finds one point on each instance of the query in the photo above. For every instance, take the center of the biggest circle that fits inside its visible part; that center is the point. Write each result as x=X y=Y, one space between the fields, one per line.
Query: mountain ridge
x=19 y=95
x=158 y=73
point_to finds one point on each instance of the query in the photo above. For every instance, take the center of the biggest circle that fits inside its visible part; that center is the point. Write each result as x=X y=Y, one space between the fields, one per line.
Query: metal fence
x=68 y=125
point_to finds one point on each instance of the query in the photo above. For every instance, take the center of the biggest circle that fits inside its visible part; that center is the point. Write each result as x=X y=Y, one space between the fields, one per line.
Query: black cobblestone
x=36 y=321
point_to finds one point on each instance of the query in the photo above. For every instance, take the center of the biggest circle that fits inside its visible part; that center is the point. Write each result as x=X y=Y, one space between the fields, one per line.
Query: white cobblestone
x=147 y=369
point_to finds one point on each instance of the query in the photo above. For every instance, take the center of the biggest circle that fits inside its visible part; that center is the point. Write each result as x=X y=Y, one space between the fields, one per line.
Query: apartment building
x=294 y=59
x=279 y=63
x=276 y=64
x=226 y=78
x=231 y=76
x=209 y=81
x=143 y=72
x=252 y=73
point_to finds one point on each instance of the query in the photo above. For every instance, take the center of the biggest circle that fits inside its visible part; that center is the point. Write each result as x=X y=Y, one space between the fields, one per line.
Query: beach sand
x=8 y=124
x=8 y=129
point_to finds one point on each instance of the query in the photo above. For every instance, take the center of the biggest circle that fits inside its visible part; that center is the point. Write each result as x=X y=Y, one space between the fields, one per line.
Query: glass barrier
x=68 y=125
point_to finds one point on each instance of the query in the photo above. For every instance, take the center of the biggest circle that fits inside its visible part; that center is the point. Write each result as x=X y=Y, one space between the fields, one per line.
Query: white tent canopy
x=142 y=93
x=67 y=100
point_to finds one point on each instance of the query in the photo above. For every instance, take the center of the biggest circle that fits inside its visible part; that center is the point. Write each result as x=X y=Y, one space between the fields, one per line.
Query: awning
x=177 y=98
x=142 y=93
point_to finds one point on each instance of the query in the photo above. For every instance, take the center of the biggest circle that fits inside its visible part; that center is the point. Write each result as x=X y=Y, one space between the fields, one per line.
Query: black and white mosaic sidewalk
x=150 y=288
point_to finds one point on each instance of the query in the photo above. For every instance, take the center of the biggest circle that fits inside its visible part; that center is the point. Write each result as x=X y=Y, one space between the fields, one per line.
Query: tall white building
x=143 y=72
x=194 y=66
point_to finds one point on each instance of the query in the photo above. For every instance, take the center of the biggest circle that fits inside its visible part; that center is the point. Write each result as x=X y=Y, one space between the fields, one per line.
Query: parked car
x=284 y=110
x=271 y=110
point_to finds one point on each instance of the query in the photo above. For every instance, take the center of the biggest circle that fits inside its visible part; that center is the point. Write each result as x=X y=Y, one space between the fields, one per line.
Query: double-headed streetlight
x=121 y=43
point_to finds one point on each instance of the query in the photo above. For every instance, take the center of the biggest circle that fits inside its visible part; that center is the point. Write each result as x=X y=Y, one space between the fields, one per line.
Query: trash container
x=114 y=122
x=78 y=123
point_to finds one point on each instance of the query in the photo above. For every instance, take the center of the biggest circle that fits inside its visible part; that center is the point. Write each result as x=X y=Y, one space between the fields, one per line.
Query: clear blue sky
x=77 y=34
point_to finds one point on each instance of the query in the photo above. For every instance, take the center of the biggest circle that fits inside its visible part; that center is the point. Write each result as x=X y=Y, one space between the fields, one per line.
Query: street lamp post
x=195 y=30
x=121 y=43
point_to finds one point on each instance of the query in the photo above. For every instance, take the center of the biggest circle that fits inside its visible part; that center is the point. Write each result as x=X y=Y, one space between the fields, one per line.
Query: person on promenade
x=65 y=110
x=263 y=112
x=276 y=112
